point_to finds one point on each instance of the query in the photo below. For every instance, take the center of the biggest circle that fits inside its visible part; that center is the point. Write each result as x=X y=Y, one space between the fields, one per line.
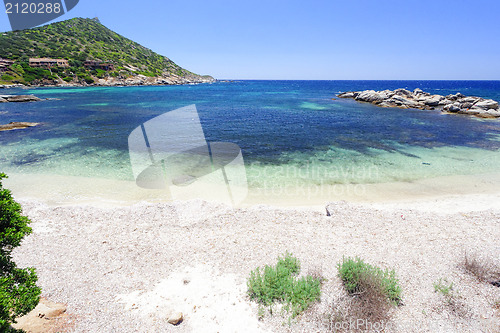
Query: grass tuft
x=444 y=287
x=452 y=298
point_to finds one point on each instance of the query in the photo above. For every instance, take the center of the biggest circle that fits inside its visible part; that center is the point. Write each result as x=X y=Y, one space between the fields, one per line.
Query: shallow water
x=292 y=133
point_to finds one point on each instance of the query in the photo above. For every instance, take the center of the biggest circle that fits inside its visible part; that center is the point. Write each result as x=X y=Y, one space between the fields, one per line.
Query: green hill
x=78 y=40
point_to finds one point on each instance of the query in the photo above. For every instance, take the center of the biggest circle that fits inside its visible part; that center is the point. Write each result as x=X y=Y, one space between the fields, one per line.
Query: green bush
x=18 y=291
x=36 y=74
x=100 y=73
x=280 y=284
x=357 y=276
x=18 y=69
x=86 y=77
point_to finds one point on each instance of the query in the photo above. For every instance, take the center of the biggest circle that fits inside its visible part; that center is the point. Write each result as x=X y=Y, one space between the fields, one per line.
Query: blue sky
x=349 y=39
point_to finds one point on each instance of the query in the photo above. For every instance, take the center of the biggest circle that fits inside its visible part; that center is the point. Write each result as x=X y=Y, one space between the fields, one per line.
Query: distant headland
x=418 y=99
x=83 y=52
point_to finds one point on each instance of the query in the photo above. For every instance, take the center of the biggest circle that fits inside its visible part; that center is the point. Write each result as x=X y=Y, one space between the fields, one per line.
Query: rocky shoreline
x=418 y=99
x=138 y=80
x=142 y=80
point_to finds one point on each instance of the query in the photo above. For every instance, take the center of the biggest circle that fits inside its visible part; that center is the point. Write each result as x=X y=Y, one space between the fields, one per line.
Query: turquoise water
x=290 y=132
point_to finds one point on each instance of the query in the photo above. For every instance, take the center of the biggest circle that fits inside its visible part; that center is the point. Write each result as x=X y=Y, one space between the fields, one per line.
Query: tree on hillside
x=18 y=291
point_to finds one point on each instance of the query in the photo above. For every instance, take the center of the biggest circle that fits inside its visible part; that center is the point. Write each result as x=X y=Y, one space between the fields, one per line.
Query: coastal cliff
x=418 y=99
x=82 y=52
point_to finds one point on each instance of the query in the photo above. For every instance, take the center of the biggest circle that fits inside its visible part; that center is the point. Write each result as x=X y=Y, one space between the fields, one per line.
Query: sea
x=293 y=135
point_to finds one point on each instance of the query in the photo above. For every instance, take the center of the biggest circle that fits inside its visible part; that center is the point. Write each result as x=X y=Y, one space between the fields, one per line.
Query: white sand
x=69 y=190
x=211 y=301
x=124 y=258
x=123 y=268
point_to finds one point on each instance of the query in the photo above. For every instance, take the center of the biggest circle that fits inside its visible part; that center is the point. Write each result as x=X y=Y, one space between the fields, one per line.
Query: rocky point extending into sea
x=18 y=98
x=418 y=99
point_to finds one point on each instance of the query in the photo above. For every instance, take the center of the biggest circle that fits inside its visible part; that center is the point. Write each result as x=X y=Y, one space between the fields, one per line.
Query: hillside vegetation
x=78 y=40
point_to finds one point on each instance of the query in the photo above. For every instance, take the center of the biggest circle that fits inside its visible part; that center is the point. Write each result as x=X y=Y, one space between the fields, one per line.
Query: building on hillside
x=48 y=62
x=5 y=64
x=97 y=64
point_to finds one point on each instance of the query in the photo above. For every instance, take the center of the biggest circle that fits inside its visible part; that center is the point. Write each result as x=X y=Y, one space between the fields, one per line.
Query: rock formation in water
x=418 y=99
x=17 y=125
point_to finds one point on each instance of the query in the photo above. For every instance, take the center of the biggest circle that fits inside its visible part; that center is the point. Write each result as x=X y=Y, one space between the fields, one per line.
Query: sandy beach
x=124 y=267
x=178 y=160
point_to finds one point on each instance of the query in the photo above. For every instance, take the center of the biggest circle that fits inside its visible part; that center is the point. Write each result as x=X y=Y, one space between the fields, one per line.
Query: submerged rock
x=418 y=99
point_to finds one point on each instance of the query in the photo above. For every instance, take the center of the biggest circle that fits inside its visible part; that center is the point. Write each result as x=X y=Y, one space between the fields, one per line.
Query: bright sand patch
x=212 y=301
x=441 y=194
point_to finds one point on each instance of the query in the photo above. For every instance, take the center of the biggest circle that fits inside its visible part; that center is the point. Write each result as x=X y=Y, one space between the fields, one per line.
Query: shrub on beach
x=18 y=291
x=280 y=284
x=369 y=301
x=371 y=294
x=361 y=278
x=484 y=270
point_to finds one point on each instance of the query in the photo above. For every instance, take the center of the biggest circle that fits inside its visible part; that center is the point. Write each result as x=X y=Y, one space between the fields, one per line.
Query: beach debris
x=330 y=210
x=418 y=99
x=335 y=208
x=17 y=125
x=175 y=318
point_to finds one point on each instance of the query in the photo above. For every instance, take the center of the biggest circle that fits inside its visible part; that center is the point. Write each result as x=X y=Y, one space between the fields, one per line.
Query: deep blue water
x=275 y=123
